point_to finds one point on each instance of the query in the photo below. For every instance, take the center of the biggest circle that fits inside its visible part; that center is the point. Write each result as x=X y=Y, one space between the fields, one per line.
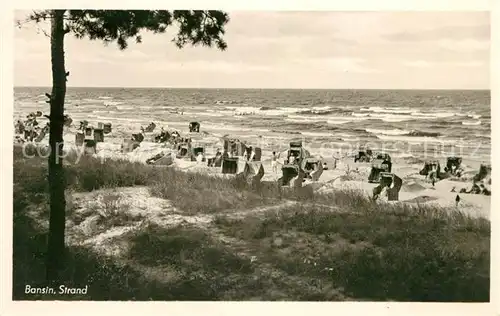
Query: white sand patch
x=412 y=187
x=134 y=201
x=103 y=243
x=415 y=187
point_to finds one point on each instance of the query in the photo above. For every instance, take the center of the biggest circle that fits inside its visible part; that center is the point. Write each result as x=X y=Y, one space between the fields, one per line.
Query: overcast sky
x=399 y=50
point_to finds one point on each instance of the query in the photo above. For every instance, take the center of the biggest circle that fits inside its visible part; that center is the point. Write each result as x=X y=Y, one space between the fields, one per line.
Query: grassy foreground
x=339 y=246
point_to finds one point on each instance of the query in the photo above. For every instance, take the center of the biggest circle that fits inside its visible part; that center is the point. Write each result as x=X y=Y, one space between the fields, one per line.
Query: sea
x=408 y=124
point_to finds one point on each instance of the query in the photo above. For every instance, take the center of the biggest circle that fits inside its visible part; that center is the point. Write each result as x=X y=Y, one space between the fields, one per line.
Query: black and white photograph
x=264 y=155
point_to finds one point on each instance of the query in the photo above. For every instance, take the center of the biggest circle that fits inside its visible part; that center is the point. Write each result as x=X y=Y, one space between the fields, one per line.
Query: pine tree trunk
x=55 y=246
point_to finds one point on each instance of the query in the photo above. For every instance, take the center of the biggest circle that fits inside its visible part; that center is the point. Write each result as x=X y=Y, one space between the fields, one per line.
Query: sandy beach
x=346 y=175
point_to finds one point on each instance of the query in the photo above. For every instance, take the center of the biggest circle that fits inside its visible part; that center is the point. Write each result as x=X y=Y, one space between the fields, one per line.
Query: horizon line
x=255 y=88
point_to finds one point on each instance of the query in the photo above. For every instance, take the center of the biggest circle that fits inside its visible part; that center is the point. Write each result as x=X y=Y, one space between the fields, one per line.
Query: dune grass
x=398 y=254
x=338 y=246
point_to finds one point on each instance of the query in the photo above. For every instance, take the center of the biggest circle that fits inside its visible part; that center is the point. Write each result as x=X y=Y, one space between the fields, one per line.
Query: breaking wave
x=387 y=132
x=123 y=107
x=317 y=134
x=402 y=132
x=387 y=110
x=471 y=123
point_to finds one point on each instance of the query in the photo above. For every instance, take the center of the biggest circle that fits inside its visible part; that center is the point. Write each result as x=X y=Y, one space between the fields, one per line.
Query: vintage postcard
x=332 y=155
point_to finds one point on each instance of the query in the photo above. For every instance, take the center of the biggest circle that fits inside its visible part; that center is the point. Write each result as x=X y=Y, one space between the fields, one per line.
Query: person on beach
x=457 y=200
x=433 y=176
x=249 y=153
x=199 y=158
x=31 y=123
x=334 y=164
x=19 y=127
x=67 y=120
x=83 y=125
x=336 y=157
x=251 y=156
x=274 y=161
x=217 y=160
x=34 y=121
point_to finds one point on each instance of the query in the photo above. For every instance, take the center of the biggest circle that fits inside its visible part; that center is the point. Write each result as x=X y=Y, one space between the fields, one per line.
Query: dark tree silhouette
x=196 y=27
